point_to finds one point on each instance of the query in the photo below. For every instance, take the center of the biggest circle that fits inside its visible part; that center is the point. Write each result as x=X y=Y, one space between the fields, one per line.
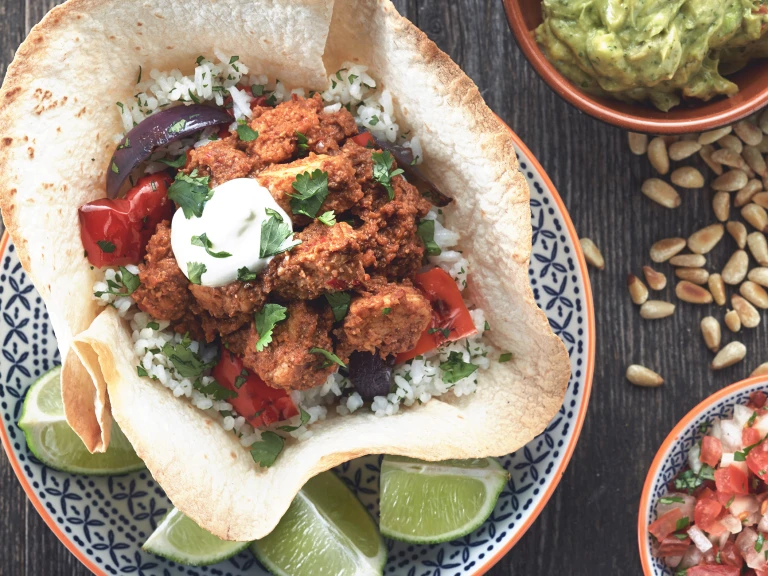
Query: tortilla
x=470 y=156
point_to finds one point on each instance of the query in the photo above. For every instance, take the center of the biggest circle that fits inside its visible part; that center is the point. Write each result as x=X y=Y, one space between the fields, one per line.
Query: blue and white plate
x=104 y=521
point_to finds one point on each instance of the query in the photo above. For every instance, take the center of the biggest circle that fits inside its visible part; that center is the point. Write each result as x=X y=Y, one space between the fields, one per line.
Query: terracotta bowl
x=525 y=15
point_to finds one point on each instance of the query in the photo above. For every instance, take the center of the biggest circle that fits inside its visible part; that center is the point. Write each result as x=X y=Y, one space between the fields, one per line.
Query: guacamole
x=653 y=50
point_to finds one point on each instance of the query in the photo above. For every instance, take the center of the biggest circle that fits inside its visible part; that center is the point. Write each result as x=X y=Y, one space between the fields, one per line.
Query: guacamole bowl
x=525 y=15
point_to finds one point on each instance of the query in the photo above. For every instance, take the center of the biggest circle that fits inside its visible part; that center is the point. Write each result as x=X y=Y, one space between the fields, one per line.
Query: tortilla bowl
x=58 y=124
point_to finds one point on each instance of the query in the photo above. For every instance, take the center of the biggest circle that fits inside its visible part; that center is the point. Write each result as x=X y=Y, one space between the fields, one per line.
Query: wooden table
x=588 y=527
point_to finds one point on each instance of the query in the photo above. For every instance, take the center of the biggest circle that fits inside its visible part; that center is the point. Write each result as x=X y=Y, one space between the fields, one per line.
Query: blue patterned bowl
x=673 y=456
x=104 y=521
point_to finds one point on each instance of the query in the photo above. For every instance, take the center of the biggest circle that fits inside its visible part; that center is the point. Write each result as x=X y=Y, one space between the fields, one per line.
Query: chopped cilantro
x=426 y=231
x=352 y=77
x=330 y=357
x=205 y=243
x=266 y=451
x=487 y=326
x=382 y=171
x=245 y=275
x=245 y=132
x=506 y=357
x=373 y=121
x=386 y=311
x=129 y=279
x=115 y=169
x=759 y=542
x=276 y=235
x=328 y=218
x=187 y=363
x=178 y=163
x=304 y=419
x=106 y=246
x=234 y=59
x=199 y=60
x=730 y=501
x=689 y=481
x=455 y=369
x=215 y=390
x=266 y=319
x=444 y=331
x=153 y=325
x=257 y=89
x=141 y=372
x=190 y=192
x=195 y=271
x=742 y=456
x=139 y=78
x=302 y=141
x=241 y=378
x=177 y=126
x=339 y=302
x=704 y=426
x=682 y=524
x=311 y=192
x=752 y=419
x=671 y=499
x=338 y=73
x=192 y=97
x=125 y=144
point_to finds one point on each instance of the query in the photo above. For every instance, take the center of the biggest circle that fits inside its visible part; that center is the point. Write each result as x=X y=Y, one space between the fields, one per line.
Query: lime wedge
x=326 y=532
x=432 y=502
x=179 y=539
x=55 y=444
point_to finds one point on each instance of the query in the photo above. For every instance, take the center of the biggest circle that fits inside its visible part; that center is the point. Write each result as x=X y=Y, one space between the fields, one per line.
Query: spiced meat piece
x=343 y=190
x=386 y=318
x=333 y=128
x=286 y=362
x=163 y=292
x=225 y=309
x=329 y=259
x=221 y=160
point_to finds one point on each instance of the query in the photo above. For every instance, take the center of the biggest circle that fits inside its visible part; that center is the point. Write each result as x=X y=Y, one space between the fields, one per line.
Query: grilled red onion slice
x=158 y=130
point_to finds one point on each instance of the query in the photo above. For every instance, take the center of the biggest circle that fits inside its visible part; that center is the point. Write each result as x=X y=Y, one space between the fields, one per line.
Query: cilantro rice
x=454 y=368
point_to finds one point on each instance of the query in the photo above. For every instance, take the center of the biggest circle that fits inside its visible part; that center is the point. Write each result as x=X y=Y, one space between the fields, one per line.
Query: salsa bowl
x=525 y=15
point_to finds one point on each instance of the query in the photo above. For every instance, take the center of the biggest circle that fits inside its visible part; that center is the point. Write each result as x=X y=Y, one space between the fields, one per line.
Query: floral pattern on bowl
x=104 y=521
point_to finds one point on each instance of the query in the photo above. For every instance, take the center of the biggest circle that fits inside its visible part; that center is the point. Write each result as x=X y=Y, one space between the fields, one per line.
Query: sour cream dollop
x=231 y=221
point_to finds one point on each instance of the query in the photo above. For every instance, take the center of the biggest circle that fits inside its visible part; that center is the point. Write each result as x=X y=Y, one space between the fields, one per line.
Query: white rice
x=415 y=381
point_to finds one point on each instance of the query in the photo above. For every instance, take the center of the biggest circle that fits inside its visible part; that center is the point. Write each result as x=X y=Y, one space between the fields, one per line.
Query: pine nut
x=761 y=370
x=739 y=233
x=735 y=269
x=748 y=314
x=731 y=354
x=756 y=216
x=638 y=143
x=683 y=149
x=731 y=142
x=733 y=321
x=642 y=376
x=695 y=275
x=656 y=280
x=657 y=155
x=759 y=276
x=746 y=194
x=655 y=309
x=717 y=288
x=706 y=155
x=714 y=135
x=637 y=290
x=731 y=181
x=687 y=177
x=592 y=253
x=688 y=260
x=692 y=293
x=755 y=160
x=721 y=205
x=704 y=240
x=710 y=331
x=748 y=132
x=661 y=193
x=761 y=199
x=755 y=293
x=665 y=249
x=758 y=245
x=730 y=158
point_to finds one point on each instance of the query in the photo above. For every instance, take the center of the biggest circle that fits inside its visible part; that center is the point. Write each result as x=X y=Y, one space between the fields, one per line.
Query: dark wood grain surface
x=589 y=526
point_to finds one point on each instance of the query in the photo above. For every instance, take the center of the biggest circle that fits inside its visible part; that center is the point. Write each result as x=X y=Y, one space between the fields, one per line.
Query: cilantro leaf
x=266 y=319
x=328 y=218
x=177 y=126
x=204 y=242
x=257 y=89
x=506 y=357
x=241 y=378
x=330 y=357
x=195 y=271
x=106 y=246
x=245 y=275
x=187 y=363
x=682 y=524
x=759 y=542
x=304 y=419
x=215 y=390
x=311 y=192
x=178 y=163
x=153 y=325
x=303 y=142
x=115 y=169
x=141 y=371
x=129 y=279
x=339 y=302
x=444 y=331
x=266 y=451
x=373 y=121
x=386 y=311
x=671 y=499
x=190 y=192
x=234 y=59
x=426 y=231
x=275 y=235
x=245 y=132
x=454 y=369
x=382 y=171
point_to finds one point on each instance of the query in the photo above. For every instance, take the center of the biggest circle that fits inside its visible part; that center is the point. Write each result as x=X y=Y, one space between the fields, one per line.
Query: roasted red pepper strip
x=259 y=404
x=116 y=232
x=450 y=318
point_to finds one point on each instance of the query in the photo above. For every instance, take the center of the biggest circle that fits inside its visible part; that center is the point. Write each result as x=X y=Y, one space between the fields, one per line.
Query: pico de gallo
x=714 y=519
